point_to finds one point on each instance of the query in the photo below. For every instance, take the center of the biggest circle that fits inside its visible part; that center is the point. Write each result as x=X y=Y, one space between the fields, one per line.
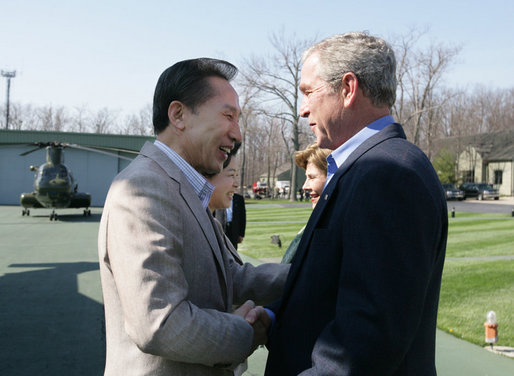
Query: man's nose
x=304 y=108
x=235 y=132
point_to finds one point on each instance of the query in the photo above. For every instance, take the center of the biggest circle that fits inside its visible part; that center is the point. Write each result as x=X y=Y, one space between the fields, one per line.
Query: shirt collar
x=341 y=154
x=201 y=186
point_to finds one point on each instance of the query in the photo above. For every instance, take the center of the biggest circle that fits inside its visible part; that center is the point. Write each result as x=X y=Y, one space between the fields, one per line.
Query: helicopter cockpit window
x=63 y=172
x=52 y=172
x=55 y=172
x=49 y=172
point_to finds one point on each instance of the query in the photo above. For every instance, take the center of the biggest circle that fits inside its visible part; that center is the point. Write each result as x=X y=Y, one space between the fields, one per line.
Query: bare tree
x=22 y=117
x=247 y=120
x=420 y=85
x=52 y=118
x=483 y=110
x=138 y=124
x=272 y=130
x=103 y=120
x=492 y=109
x=255 y=147
x=81 y=119
x=277 y=79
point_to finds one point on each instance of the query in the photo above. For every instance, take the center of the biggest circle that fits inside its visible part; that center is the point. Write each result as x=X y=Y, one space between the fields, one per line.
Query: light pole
x=8 y=75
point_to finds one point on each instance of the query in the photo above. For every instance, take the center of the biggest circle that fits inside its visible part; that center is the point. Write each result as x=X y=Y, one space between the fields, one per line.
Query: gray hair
x=370 y=58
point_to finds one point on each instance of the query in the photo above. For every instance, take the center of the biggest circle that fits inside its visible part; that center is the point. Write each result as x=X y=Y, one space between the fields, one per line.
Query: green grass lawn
x=474 y=280
x=472 y=288
x=263 y=221
x=478 y=235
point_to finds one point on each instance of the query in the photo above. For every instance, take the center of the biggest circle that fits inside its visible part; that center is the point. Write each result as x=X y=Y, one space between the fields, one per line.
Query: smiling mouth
x=225 y=149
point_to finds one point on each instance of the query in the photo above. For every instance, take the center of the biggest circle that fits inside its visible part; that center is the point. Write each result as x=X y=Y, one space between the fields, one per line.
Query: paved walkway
x=454 y=357
x=51 y=321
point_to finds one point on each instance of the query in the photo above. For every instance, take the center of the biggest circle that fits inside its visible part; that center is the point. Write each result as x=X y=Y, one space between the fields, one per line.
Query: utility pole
x=8 y=75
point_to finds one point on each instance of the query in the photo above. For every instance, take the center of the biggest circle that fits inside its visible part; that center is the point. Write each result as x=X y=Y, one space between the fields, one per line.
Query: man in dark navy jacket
x=361 y=297
x=236 y=220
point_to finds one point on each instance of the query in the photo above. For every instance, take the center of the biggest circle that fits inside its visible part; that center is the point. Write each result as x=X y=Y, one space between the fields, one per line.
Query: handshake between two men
x=258 y=318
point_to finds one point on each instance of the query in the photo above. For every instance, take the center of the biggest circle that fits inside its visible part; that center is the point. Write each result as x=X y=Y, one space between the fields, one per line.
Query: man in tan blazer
x=168 y=282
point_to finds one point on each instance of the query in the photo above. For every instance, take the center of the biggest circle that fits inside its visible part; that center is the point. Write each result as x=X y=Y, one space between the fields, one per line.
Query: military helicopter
x=54 y=185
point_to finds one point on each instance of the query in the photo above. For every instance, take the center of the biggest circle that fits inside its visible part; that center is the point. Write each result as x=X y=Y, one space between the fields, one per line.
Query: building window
x=468 y=176
x=498 y=177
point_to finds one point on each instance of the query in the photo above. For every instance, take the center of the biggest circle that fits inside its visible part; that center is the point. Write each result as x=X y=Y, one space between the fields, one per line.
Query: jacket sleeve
x=262 y=283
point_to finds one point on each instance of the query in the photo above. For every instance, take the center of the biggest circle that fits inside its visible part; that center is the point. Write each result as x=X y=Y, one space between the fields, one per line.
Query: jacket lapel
x=391 y=131
x=227 y=276
x=227 y=244
x=190 y=198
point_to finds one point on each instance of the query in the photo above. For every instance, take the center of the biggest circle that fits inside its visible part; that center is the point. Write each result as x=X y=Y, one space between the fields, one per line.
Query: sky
x=109 y=54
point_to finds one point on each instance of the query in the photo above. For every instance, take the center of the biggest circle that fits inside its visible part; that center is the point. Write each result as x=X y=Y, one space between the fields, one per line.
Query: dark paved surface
x=51 y=320
x=504 y=205
x=51 y=317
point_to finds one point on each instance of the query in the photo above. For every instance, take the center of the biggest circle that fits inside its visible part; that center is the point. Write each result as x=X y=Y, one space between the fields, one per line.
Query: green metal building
x=93 y=171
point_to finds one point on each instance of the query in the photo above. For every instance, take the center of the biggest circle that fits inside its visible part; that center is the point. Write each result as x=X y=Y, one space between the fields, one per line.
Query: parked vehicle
x=260 y=188
x=282 y=188
x=479 y=190
x=452 y=192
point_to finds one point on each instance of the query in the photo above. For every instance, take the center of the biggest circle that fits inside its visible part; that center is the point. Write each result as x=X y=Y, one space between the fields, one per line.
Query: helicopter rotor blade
x=116 y=149
x=100 y=151
x=30 y=151
x=41 y=145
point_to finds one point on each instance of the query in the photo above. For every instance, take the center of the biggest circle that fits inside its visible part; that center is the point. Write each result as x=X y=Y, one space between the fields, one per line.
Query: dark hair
x=186 y=81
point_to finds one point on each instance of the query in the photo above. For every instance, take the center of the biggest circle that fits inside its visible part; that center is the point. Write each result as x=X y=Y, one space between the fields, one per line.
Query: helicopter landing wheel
x=87 y=213
x=25 y=212
x=53 y=216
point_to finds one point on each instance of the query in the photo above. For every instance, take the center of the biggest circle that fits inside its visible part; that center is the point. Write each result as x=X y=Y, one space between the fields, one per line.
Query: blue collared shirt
x=200 y=185
x=341 y=154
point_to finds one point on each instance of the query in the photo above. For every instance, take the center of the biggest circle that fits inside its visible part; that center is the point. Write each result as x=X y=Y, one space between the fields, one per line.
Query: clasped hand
x=258 y=318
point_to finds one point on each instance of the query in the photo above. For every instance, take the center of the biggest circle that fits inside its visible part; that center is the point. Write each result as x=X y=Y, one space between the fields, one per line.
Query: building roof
x=494 y=146
x=127 y=142
x=283 y=173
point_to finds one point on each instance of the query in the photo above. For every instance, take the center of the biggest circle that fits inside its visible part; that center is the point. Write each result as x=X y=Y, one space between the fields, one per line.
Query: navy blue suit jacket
x=361 y=297
x=237 y=227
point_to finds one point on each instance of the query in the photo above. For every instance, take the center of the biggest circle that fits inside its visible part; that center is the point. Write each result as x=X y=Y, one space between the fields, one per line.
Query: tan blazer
x=168 y=286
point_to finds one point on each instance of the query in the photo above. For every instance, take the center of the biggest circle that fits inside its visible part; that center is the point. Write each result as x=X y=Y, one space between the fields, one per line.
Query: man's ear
x=176 y=114
x=349 y=88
